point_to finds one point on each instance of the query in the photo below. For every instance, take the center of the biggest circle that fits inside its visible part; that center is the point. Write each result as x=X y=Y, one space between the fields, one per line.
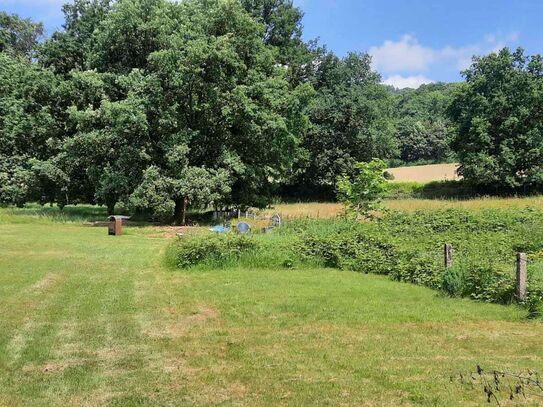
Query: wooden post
x=448 y=253
x=522 y=276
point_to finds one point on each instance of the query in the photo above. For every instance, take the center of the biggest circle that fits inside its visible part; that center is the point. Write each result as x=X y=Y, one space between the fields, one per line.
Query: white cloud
x=406 y=54
x=402 y=82
x=409 y=55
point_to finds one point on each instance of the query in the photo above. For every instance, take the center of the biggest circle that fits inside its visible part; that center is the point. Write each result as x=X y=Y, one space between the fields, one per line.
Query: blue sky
x=411 y=41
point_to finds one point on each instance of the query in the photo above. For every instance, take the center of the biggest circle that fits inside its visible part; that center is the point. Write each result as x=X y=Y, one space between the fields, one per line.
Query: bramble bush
x=418 y=268
x=210 y=249
x=350 y=250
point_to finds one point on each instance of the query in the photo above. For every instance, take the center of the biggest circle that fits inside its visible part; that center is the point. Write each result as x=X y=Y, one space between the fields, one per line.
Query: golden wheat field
x=425 y=173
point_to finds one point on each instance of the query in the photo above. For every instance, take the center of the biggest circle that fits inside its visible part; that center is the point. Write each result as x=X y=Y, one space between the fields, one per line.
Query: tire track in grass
x=118 y=348
x=165 y=320
x=92 y=338
x=36 y=371
x=35 y=302
x=39 y=348
x=24 y=290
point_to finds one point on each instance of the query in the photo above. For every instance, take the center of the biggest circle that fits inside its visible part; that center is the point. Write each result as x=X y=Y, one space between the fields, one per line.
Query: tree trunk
x=181 y=210
x=110 y=207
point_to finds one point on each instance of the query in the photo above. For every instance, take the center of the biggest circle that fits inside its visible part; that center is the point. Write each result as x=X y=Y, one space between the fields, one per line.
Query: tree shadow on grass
x=70 y=213
x=91 y=214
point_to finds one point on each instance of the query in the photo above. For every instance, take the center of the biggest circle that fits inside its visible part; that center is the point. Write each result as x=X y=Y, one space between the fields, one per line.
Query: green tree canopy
x=283 y=31
x=19 y=36
x=29 y=132
x=351 y=119
x=70 y=48
x=362 y=191
x=182 y=98
x=423 y=127
x=499 y=121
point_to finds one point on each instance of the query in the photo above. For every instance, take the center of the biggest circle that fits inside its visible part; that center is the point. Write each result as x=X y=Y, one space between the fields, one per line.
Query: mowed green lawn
x=89 y=319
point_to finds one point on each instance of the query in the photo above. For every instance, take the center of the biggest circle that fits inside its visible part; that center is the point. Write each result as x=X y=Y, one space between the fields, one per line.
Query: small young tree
x=362 y=193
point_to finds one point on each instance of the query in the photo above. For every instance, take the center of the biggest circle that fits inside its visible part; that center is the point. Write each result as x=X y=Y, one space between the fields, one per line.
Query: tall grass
x=475 y=204
x=401 y=198
x=312 y=210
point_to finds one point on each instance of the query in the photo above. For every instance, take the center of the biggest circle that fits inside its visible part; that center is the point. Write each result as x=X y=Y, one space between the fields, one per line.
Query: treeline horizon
x=159 y=105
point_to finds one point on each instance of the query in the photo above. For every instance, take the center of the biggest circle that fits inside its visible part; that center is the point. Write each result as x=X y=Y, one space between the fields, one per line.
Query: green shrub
x=403 y=189
x=432 y=190
x=388 y=176
x=288 y=263
x=534 y=301
x=418 y=268
x=350 y=250
x=454 y=282
x=216 y=249
x=485 y=283
x=361 y=191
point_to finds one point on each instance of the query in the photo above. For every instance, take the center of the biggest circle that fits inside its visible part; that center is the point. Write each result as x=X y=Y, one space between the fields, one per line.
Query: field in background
x=97 y=320
x=330 y=210
x=319 y=210
x=425 y=173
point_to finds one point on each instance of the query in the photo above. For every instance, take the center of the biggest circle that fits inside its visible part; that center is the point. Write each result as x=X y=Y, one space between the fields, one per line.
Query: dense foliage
x=423 y=127
x=362 y=192
x=351 y=119
x=159 y=104
x=19 y=36
x=499 y=121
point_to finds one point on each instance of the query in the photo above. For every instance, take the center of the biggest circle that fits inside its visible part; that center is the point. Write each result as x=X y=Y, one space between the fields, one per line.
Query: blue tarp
x=220 y=229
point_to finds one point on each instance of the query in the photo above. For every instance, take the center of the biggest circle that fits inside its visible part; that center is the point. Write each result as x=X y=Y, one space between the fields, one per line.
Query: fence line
x=521 y=275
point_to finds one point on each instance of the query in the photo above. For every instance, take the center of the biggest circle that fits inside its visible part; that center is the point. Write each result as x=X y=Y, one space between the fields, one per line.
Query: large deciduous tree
x=70 y=48
x=174 y=104
x=351 y=119
x=283 y=31
x=499 y=121
x=28 y=130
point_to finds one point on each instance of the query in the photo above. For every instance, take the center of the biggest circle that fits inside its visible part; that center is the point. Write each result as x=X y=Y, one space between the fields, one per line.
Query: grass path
x=90 y=319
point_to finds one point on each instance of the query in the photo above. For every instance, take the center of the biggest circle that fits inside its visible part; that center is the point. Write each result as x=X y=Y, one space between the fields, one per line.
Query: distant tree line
x=160 y=105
